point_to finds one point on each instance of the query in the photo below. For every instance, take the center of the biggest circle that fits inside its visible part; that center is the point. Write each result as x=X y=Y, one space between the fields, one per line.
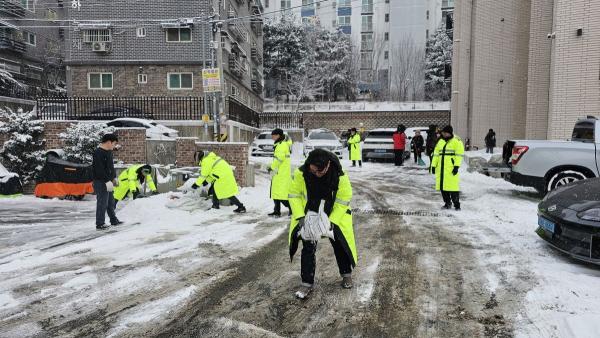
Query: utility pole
x=216 y=53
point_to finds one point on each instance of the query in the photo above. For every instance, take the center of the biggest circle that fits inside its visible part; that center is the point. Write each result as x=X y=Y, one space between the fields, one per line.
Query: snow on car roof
x=133 y=119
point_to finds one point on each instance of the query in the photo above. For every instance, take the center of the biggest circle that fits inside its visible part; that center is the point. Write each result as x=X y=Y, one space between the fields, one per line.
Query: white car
x=379 y=143
x=323 y=139
x=410 y=133
x=263 y=144
x=154 y=130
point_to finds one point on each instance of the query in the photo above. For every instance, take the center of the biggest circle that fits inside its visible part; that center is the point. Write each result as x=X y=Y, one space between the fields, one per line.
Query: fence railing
x=22 y=91
x=283 y=120
x=242 y=114
x=108 y=108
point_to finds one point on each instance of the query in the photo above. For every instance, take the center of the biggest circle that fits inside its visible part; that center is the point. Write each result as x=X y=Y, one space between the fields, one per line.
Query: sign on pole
x=211 y=80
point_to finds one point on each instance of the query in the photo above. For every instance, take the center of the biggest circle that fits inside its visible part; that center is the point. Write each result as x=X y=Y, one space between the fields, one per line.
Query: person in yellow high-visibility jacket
x=281 y=169
x=322 y=178
x=447 y=159
x=355 y=148
x=131 y=180
x=217 y=172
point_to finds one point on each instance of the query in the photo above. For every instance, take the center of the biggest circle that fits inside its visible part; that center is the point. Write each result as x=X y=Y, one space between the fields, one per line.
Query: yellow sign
x=205 y=118
x=211 y=80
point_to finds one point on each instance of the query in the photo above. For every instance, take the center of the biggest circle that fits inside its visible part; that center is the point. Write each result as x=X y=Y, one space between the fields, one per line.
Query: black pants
x=215 y=201
x=105 y=203
x=354 y=163
x=451 y=197
x=278 y=204
x=398 y=157
x=417 y=155
x=489 y=150
x=308 y=261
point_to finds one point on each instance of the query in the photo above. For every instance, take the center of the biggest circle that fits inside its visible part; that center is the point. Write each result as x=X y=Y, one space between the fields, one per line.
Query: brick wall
x=186 y=149
x=236 y=154
x=51 y=131
x=341 y=121
x=133 y=145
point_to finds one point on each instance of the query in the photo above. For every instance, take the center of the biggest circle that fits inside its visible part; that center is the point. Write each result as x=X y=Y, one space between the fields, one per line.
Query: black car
x=569 y=219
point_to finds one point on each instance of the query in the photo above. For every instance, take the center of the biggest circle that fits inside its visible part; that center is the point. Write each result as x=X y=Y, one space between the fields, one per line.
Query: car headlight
x=590 y=215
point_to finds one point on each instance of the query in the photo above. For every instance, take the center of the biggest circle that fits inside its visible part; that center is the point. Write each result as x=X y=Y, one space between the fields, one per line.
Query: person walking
x=132 y=180
x=447 y=159
x=322 y=178
x=355 y=148
x=218 y=173
x=417 y=146
x=281 y=169
x=431 y=141
x=490 y=141
x=104 y=181
x=399 y=138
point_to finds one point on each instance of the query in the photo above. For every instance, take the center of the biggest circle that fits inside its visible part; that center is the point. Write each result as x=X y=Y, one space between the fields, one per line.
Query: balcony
x=10 y=8
x=256 y=55
x=235 y=31
x=8 y=43
x=256 y=25
x=256 y=86
x=235 y=66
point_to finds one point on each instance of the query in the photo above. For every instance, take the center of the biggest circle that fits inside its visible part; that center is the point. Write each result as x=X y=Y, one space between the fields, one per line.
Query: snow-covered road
x=481 y=271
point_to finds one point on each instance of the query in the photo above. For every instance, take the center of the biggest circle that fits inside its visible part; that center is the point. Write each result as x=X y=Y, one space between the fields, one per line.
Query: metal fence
x=242 y=114
x=108 y=108
x=22 y=91
x=285 y=120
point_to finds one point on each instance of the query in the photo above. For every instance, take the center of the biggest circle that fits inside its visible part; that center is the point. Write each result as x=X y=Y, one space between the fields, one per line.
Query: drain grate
x=394 y=212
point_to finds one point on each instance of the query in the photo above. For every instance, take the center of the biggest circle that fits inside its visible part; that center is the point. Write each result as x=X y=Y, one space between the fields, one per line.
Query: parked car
x=546 y=165
x=111 y=113
x=323 y=139
x=263 y=144
x=569 y=219
x=379 y=145
x=154 y=130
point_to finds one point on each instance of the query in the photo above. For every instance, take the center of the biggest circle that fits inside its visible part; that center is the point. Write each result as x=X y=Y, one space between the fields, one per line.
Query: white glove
x=109 y=186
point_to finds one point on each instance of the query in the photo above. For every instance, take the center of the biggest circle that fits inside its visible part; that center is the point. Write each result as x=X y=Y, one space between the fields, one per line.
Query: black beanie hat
x=277 y=132
x=353 y=129
x=448 y=129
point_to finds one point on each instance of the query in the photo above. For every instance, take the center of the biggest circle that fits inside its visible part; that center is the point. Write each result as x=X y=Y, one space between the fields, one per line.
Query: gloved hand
x=455 y=171
x=195 y=186
x=204 y=184
x=432 y=170
x=109 y=186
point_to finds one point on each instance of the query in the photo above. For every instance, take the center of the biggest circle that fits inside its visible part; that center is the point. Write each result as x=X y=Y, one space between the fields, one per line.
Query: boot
x=303 y=292
x=447 y=207
x=214 y=207
x=275 y=214
x=240 y=210
x=117 y=222
x=347 y=282
x=102 y=227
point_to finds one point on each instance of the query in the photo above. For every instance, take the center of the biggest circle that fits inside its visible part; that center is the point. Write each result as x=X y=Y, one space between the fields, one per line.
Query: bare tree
x=408 y=65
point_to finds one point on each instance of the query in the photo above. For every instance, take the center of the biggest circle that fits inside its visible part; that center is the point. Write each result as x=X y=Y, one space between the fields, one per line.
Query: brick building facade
x=526 y=68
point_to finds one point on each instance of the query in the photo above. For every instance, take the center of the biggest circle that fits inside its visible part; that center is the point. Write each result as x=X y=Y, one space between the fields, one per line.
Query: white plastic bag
x=316 y=226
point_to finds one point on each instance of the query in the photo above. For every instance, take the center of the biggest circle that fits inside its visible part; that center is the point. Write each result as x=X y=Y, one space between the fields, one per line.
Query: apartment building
x=527 y=69
x=130 y=48
x=377 y=28
x=31 y=47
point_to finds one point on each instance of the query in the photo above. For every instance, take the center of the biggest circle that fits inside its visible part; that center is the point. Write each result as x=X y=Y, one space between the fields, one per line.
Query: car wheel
x=563 y=178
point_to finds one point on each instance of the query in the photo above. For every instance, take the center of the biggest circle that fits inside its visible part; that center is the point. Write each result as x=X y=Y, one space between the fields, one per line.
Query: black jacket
x=490 y=139
x=417 y=143
x=102 y=165
x=431 y=142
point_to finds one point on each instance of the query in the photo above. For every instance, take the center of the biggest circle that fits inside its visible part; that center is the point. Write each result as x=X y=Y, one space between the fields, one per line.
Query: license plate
x=380 y=150
x=546 y=224
x=268 y=148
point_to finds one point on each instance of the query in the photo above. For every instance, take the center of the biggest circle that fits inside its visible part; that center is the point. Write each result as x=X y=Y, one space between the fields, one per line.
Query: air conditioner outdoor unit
x=100 y=47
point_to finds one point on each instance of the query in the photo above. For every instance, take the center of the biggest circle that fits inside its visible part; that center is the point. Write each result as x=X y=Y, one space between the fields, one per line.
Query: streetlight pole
x=217 y=62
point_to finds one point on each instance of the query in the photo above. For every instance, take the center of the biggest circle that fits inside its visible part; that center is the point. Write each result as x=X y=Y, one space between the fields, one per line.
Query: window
x=386 y=36
x=308 y=3
x=286 y=4
x=367 y=6
x=142 y=78
x=367 y=23
x=25 y=4
x=97 y=35
x=387 y=17
x=427 y=15
x=141 y=32
x=29 y=38
x=181 y=81
x=366 y=60
x=386 y=55
x=345 y=3
x=100 y=81
x=234 y=91
x=344 y=20
x=267 y=3
x=179 y=34
x=366 y=41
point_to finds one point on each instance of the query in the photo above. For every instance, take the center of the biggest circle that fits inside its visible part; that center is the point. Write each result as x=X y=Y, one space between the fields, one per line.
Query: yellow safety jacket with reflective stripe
x=355 y=151
x=128 y=182
x=282 y=169
x=217 y=171
x=446 y=156
x=341 y=215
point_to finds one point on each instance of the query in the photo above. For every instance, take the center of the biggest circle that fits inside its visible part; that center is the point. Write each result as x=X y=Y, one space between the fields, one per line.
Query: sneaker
x=274 y=214
x=240 y=210
x=214 y=207
x=347 y=282
x=457 y=208
x=303 y=292
x=102 y=227
x=447 y=207
x=116 y=223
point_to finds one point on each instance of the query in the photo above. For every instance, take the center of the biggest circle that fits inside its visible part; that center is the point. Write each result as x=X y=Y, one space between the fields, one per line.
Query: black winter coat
x=418 y=143
x=490 y=139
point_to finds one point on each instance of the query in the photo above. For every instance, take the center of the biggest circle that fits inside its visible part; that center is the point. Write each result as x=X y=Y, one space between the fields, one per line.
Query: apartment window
x=366 y=41
x=427 y=15
x=427 y=34
x=100 y=81
x=179 y=34
x=387 y=1
x=181 y=81
x=308 y=3
x=344 y=20
x=234 y=91
x=387 y=17
x=286 y=4
x=386 y=36
x=345 y=3
x=367 y=6
x=142 y=78
x=141 y=32
x=97 y=35
x=386 y=55
x=366 y=60
x=267 y=3
x=25 y=4
x=367 y=23
x=29 y=38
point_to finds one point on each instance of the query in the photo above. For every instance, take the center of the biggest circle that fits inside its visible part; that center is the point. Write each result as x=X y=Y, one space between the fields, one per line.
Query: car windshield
x=263 y=136
x=380 y=134
x=584 y=132
x=154 y=124
x=322 y=136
